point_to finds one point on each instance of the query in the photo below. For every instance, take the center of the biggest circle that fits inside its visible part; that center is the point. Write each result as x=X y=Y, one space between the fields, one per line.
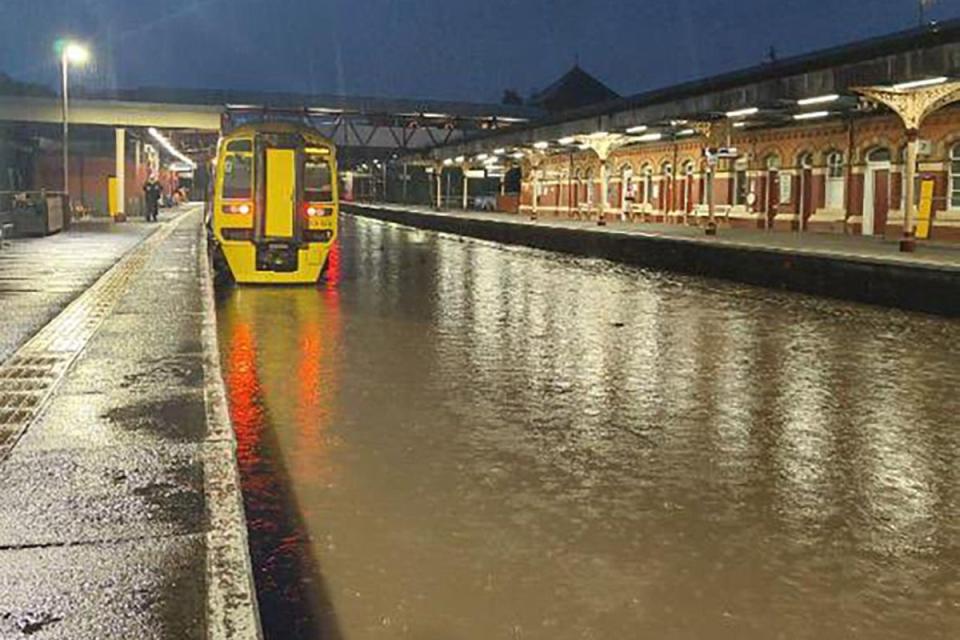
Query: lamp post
x=70 y=53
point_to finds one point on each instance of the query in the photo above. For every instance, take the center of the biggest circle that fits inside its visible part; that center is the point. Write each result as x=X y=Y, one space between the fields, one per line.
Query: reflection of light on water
x=804 y=444
x=243 y=392
x=895 y=476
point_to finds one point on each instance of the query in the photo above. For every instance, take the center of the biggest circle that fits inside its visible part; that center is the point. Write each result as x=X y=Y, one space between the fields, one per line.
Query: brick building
x=812 y=147
x=844 y=177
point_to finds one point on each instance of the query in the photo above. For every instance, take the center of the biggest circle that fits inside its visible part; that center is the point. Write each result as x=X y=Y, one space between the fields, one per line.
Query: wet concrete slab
x=145 y=589
x=70 y=496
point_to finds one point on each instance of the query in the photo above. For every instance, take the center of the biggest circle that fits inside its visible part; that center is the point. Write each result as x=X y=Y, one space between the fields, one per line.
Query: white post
x=121 y=172
x=913 y=143
x=604 y=192
x=466 y=189
x=535 y=186
x=66 y=125
x=438 y=172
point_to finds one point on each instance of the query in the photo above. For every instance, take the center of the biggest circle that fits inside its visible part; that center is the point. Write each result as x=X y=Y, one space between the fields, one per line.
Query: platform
x=120 y=510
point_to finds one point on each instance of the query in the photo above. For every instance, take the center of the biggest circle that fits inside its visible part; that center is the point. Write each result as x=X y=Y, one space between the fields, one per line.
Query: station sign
x=721 y=152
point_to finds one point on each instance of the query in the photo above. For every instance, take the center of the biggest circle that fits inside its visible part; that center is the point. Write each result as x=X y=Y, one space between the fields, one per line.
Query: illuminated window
x=835 y=180
x=741 y=185
x=955 y=177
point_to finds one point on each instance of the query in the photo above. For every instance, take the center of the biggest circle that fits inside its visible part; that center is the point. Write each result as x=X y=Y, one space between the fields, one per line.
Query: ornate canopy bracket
x=714 y=132
x=914 y=105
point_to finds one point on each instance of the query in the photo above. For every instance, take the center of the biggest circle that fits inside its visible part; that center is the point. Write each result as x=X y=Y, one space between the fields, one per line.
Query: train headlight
x=244 y=208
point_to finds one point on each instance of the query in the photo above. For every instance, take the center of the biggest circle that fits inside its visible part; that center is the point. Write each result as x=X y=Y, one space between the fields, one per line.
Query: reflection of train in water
x=275 y=203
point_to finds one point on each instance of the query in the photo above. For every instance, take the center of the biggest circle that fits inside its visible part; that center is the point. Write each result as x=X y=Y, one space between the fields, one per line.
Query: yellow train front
x=275 y=203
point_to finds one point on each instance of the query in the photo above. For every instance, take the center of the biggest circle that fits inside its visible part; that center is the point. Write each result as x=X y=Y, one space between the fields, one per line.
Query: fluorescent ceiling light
x=448 y=162
x=916 y=84
x=518 y=155
x=739 y=125
x=499 y=152
x=650 y=137
x=567 y=140
x=640 y=128
x=740 y=113
x=541 y=145
x=459 y=159
x=686 y=132
x=818 y=100
x=811 y=115
x=482 y=157
x=170 y=148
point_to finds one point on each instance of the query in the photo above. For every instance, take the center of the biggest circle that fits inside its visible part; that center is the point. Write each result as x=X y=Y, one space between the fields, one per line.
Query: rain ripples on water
x=456 y=439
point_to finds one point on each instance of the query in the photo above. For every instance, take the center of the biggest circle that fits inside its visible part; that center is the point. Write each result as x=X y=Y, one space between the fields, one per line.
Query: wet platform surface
x=937 y=254
x=39 y=276
x=104 y=500
x=451 y=438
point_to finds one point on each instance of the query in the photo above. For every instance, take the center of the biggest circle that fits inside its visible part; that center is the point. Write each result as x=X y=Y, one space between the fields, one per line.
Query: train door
x=280 y=209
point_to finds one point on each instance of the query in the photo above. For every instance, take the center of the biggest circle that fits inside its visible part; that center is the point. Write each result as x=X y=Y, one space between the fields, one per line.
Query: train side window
x=237 y=176
x=317 y=185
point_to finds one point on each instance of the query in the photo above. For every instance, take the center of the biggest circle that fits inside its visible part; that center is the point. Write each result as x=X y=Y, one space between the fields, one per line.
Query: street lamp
x=70 y=53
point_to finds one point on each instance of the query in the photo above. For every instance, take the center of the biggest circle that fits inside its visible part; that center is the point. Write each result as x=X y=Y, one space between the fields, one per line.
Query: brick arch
x=942 y=148
x=869 y=144
x=619 y=162
x=760 y=160
x=804 y=150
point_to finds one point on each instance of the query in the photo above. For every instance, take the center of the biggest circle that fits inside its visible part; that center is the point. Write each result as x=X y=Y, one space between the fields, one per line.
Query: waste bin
x=35 y=213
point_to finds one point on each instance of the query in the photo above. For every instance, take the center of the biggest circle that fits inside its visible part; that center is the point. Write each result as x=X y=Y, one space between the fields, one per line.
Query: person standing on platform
x=152 y=190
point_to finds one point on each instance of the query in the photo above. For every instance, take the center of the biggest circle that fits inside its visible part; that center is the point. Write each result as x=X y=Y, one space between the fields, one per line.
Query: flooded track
x=455 y=440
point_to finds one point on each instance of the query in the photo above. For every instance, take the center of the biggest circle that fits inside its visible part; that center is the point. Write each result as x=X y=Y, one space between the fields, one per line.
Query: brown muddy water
x=455 y=440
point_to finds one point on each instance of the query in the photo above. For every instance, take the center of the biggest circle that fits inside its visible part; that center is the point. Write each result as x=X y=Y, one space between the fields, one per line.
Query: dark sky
x=449 y=49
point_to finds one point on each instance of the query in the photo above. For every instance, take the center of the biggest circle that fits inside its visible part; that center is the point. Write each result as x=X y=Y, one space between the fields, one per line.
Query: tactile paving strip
x=31 y=375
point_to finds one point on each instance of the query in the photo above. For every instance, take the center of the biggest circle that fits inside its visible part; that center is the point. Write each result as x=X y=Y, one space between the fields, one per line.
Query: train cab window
x=240 y=146
x=317 y=185
x=237 y=176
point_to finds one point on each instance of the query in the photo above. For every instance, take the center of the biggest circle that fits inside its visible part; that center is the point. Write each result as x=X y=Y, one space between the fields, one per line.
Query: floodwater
x=456 y=440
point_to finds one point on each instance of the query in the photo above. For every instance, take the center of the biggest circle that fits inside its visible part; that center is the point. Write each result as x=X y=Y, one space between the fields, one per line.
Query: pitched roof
x=575 y=89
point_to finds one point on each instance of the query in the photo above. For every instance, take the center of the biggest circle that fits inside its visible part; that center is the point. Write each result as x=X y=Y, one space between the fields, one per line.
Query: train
x=275 y=204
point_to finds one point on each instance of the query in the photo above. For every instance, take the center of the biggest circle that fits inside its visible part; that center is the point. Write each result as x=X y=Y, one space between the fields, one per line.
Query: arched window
x=588 y=177
x=880 y=154
x=647 y=184
x=688 y=169
x=835 y=180
x=772 y=162
x=627 y=186
x=667 y=170
x=805 y=160
x=955 y=176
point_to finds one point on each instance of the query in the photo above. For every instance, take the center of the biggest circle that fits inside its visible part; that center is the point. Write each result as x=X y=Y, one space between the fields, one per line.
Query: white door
x=869 y=181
